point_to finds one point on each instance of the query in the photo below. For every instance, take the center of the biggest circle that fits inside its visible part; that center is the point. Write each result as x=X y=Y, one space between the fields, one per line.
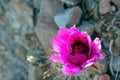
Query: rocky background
x=27 y=26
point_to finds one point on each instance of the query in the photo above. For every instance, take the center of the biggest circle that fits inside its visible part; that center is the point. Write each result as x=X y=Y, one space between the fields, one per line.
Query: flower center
x=79 y=48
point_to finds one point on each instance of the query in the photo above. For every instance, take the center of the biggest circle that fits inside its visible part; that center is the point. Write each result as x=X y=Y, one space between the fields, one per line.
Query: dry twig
x=111 y=59
x=116 y=75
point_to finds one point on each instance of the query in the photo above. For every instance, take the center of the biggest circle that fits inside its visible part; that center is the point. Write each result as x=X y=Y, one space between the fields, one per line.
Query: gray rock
x=95 y=13
x=86 y=26
x=97 y=26
x=48 y=9
x=71 y=2
x=104 y=77
x=36 y=3
x=117 y=41
x=100 y=67
x=30 y=2
x=116 y=46
x=14 y=15
x=69 y=17
x=1 y=10
x=4 y=4
x=90 y=4
x=106 y=42
x=116 y=63
x=2 y=17
x=20 y=14
x=104 y=7
x=46 y=28
x=116 y=2
x=93 y=8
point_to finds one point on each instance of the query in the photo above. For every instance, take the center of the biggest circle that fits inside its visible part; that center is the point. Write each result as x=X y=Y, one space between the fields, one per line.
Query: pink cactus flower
x=76 y=51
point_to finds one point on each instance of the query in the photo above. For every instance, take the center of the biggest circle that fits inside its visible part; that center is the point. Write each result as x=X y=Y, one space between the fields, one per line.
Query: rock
x=90 y=4
x=46 y=28
x=69 y=17
x=86 y=26
x=97 y=26
x=11 y=68
x=116 y=63
x=36 y=3
x=116 y=50
x=71 y=2
x=86 y=74
x=104 y=6
x=104 y=34
x=104 y=77
x=31 y=72
x=92 y=8
x=14 y=16
x=95 y=13
x=116 y=46
x=2 y=20
x=100 y=67
x=117 y=41
x=106 y=42
x=30 y=2
x=20 y=14
x=1 y=11
x=49 y=9
x=5 y=4
x=116 y=2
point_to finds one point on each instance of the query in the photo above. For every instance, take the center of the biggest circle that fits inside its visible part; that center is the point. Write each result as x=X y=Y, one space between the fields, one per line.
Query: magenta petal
x=74 y=35
x=96 y=49
x=56 y=58
x=101 y=56
x=78 y=58
x=70 y=70
x=55 y=45
x=89 y=62
x=61 y=41
x=97 y=41
x=60 y=45
x=85 y=38
x=73 y=31
x=63 y=33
